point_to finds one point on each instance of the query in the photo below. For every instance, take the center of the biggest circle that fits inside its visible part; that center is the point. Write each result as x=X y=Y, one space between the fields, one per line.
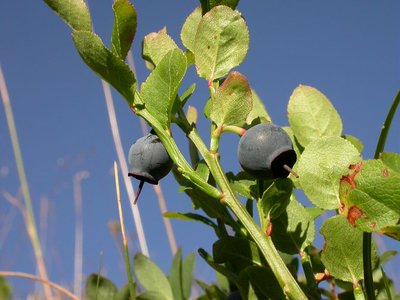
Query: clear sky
x=350 y=50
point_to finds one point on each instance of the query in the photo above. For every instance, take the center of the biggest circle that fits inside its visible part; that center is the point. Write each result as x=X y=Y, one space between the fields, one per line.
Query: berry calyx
x=266 y=152
x=149 y=161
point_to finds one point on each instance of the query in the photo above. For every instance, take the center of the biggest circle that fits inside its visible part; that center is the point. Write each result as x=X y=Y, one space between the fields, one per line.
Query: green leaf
x=315 y=257
x=258 y=113
x=371 y=196
x=123 y=293
x=243 y=184
x=221 y=42
x=218 y=267
x=181 y=101
x=213 y=208
x=151 y=295
x=259 y=283
x=342 y=255
x=386 y=256
x=212 y=291
x=202 y=170
x=160 y=89
x=223 y=281
x=151 y=277
x=187 y=275
x=294 y=229
x=274 y=200
x=175 y=275
x=314 y=212
x=124 y=28
x=207 y=108
x=189 y=29
x=104 y=63
x=392 y=231
x=323 y=162
x=355 y=141
x=298 y=149
x=156 y=45
x=232 y=101
x=387 y=285
x=239 y=252
x=206 y=5
x=312 y=116
x=190 y=217
x=189 y=57
x=392 y=160
x=99 y=288
x=5 y=289
x=73 y=12
x=187 y=94
x=296 y=146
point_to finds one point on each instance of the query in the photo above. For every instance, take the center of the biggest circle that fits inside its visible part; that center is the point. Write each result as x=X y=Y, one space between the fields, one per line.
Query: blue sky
x=348 y=50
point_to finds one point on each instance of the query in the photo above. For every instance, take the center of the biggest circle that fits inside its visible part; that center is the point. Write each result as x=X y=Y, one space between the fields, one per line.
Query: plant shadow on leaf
x=288 y=240
x=294 y=229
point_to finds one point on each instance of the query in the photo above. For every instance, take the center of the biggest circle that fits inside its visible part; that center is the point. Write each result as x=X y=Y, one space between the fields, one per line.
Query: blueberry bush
x=264 y=246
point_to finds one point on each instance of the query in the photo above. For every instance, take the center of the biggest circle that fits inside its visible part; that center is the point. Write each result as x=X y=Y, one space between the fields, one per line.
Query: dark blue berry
x=265 y=151
x=149 y=160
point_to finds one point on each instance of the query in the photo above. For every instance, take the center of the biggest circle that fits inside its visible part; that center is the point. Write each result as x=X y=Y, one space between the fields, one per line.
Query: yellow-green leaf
x=221 y=43
x=232 y=102
x=311 y=115
x=156 y=45
x=321 y=165
x=189 y=29
x=159 y=91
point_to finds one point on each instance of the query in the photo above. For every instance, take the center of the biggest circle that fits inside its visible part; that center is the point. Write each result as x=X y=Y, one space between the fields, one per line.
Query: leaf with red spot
x=342 y=254
x=370 y=195
x=321 y=165
x=232 y=101
x=392 y=160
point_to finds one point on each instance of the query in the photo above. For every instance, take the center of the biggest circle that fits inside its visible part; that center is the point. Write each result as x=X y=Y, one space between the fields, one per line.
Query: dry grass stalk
x=46 y=282
x=124 y=240
x=78 y=251
x=124 y=167
x=29 y=216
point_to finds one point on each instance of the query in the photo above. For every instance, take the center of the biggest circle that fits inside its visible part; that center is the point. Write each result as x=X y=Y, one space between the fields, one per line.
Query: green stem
x=234 y=129
x=367 y=265
x=215 y=136
x=386 y=126
x=131 y=284
x=367 y=236
x=183 y=166
x=308 y=272
x=283 y=275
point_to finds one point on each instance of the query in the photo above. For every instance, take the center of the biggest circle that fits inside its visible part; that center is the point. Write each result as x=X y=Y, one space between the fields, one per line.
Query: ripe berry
x=149 y=161
x=266 y=151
